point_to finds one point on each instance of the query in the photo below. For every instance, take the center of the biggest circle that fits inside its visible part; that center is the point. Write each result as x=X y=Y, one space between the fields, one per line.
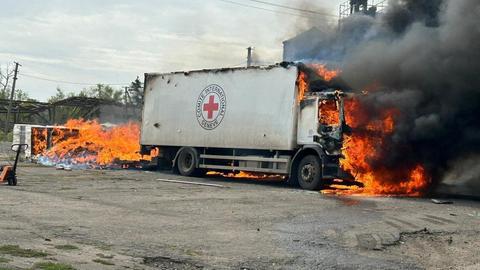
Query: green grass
x=66 y=247
x=52 y=266
x=16 y=251
x=4 y=260
x=104 y=262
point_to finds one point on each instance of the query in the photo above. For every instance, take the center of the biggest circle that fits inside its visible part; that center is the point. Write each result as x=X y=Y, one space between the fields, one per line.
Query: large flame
x=329 y=113
x=302 y=86
x=319 y=70
x=88 y=143
x=325 y=73
x=364 y=151
x=39 y=138
x=365 y=147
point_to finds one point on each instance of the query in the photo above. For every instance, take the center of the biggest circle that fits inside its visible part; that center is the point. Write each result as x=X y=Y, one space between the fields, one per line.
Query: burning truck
x=282 y=119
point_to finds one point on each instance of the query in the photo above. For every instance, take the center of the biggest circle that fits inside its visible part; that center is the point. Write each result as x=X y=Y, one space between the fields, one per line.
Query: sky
x=114 y=41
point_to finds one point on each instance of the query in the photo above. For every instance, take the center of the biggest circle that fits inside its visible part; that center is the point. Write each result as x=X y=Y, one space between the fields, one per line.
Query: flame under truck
x=243 y=119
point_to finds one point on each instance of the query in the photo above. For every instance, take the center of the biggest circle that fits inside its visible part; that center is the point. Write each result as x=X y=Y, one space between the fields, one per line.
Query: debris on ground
x=436 y=201
x=190 y=183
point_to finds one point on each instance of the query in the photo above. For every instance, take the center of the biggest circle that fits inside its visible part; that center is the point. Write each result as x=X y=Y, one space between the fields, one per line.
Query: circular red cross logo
x=211 y=107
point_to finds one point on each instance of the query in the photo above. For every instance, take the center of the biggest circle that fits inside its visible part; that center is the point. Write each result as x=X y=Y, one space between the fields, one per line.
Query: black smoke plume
x=425 y=57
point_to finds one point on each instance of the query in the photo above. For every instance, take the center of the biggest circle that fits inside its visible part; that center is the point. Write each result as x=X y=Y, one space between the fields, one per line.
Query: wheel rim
x=187 y=162
x=308 y=173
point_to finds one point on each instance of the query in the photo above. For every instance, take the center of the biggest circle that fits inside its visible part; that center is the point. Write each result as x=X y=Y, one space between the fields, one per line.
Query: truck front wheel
x=309 y=173
x=186 y=162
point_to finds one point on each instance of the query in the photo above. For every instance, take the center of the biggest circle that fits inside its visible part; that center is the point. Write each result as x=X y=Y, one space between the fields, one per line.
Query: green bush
x=6 y=137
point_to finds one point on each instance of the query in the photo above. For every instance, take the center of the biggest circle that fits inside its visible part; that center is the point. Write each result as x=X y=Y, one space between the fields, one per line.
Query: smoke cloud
x=424 y=58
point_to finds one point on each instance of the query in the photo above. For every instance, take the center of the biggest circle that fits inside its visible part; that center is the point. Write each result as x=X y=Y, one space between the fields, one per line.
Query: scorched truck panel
x=223 y=109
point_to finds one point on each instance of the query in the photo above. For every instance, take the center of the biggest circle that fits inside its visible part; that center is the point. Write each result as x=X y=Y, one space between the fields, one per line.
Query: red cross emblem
x=210 y=107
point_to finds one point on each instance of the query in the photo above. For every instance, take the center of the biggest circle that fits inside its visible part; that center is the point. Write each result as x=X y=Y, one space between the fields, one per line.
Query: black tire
x=292 y=180
x=309 y=173
x=10 y=181
x=186 y=163
x=14 y=181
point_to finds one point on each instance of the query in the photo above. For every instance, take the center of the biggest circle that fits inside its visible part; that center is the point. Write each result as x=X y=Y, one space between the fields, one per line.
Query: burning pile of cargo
x=88 y=144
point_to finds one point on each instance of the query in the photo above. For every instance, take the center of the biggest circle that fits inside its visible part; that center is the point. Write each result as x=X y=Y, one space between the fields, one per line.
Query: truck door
x=307 y=121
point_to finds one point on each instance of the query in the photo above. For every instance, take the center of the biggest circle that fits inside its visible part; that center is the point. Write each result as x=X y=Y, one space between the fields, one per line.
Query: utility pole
x=12 y=96
x=125 y=97
x=249 y=56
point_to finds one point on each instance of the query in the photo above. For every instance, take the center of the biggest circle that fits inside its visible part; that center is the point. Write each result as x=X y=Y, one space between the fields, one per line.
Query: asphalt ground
x=126 y=219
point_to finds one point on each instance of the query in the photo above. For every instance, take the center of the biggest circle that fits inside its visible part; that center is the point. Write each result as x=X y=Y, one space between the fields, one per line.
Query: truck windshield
x=329 y=114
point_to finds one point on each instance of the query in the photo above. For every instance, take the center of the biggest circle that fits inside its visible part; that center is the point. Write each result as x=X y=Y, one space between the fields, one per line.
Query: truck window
x=329 y=114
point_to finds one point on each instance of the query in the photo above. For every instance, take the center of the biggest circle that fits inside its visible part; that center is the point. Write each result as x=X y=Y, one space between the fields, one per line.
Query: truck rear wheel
x=309 y=173
x=187 y=162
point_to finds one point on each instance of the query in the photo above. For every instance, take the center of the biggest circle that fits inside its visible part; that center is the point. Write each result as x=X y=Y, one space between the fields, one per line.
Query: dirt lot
x=131 y=220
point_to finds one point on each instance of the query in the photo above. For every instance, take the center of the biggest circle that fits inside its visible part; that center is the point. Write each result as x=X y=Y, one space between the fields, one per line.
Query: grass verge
x=52 y=266
x=16 y=251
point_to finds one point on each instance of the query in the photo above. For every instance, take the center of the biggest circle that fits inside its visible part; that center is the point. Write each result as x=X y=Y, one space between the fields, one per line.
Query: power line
x=264 y=9
x=68 y=82
x=293 y=8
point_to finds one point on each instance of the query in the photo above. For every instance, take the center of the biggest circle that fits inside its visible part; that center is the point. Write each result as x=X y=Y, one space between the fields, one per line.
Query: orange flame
x=89 y=142
x=303 y=81
x=329 y=113
x=365 y=146
x=302 y=86
x=39 y=140
x=243 y=174
x=325 y=73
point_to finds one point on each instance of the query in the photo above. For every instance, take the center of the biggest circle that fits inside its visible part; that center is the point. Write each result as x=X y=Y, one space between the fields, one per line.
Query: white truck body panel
x=252 y=108
x=307 y=121
x=22 y=134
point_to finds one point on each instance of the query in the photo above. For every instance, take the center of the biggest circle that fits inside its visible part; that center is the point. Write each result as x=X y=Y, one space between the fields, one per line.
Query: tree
x=102 y=91
x=59 y=95
x=21 y=95
x=64 y=113
x=6 y=78
x=136 y=90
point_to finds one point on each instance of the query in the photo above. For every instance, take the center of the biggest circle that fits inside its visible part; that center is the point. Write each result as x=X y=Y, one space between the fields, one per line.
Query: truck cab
x=321 y=123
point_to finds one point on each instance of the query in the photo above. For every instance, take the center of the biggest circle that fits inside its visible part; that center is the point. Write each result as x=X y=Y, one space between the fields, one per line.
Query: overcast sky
x=113 y=41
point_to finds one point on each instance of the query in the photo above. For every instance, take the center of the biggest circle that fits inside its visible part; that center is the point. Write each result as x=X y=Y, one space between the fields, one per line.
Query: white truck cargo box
x=252 y=108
